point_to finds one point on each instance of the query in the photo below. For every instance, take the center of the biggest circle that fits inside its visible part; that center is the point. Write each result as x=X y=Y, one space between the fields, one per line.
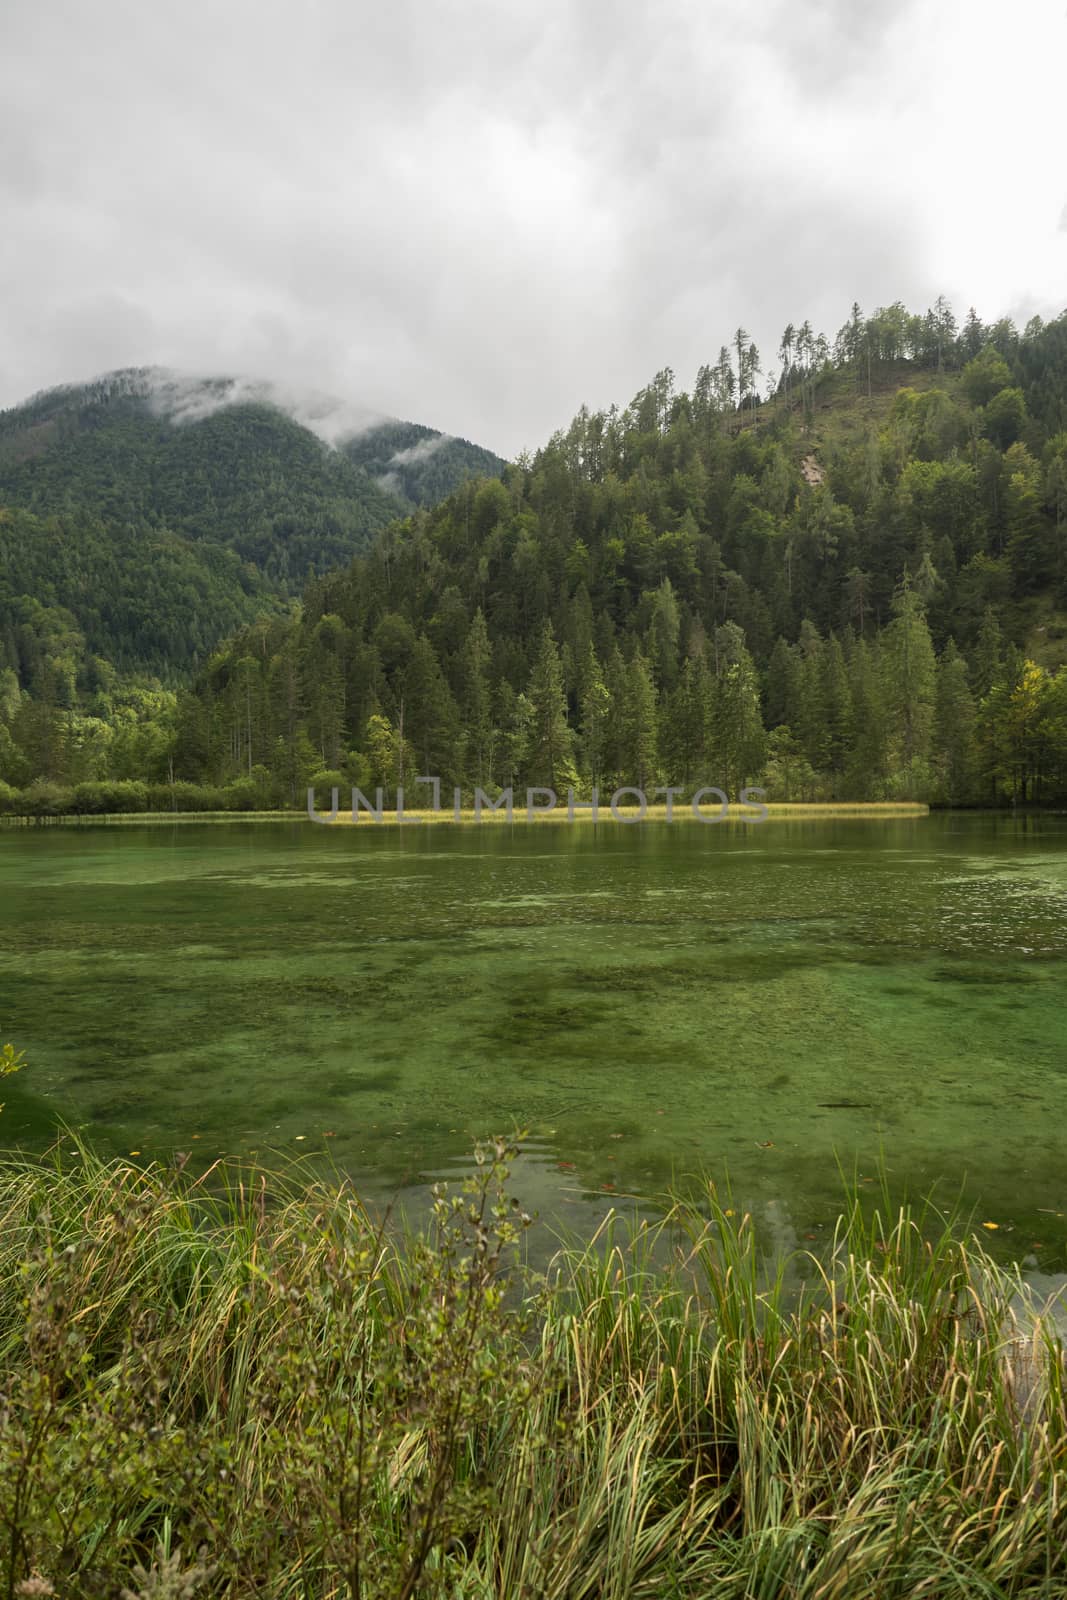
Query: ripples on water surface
x=647 y=1000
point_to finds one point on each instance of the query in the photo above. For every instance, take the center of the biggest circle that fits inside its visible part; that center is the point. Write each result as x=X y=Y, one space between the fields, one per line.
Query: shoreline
x=783 y=811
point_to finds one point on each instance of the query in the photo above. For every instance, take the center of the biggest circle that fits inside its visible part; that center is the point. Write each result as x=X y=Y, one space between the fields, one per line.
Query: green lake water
x=763 y=1003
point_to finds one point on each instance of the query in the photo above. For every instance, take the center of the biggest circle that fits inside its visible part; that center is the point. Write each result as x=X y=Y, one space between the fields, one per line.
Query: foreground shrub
x=269 y=1393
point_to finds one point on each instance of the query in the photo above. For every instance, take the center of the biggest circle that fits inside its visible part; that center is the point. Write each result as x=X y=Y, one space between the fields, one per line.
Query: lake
x=766 y=1003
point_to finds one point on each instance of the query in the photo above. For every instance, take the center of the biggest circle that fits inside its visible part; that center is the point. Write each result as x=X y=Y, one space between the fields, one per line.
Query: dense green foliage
x=834 y=590
x=265 y=1393
x=161 y=531
x=416 y=463
x=245 y=477
x=74 y=588
x=853 y=586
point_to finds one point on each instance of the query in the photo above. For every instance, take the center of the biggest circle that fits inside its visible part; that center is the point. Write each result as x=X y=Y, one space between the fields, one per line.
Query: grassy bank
x=682 y=813
x=784 y=812
x=265 y=1394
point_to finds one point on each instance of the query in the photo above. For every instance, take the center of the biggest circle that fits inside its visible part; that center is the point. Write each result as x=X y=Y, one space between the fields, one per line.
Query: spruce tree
x=954 y=730
x=477 y=702
x=550 y=761
x=738 y=740
x=909 y=684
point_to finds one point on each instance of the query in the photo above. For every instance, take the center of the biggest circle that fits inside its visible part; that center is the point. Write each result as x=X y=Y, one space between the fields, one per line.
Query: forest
x=160 y=516
x=845 y=578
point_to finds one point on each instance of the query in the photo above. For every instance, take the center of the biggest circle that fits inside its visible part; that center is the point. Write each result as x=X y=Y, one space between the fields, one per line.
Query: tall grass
x=260 y=1390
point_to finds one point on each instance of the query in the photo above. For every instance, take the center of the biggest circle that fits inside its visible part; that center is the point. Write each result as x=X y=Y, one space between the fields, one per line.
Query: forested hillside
x=846 y=580
x=416 y=463
x=163 y=514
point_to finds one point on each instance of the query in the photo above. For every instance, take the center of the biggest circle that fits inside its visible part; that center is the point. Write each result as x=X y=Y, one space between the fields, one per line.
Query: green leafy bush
x=270 y=1392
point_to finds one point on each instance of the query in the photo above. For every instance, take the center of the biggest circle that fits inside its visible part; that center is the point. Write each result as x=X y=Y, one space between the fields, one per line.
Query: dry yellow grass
x=783 y=812
x=780 y=812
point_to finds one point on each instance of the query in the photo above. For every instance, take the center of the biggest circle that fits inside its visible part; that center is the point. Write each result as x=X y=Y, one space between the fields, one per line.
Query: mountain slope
x=855 y=588
x=182 y=493
x=141 y=597
x=417 y=463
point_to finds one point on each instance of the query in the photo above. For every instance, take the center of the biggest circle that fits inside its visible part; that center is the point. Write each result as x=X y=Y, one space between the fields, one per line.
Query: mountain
x=416 y=463
x=848 y=584
x=851 y=587
x=162 y=510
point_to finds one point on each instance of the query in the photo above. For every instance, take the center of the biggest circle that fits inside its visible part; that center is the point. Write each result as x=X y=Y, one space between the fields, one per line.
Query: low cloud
x=418 y=452
x=185 y=397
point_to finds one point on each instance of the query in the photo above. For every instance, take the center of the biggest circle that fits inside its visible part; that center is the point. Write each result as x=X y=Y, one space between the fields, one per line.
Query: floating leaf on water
x=300 y=1136
x=729 y=1211
x=135 y=1152
x=765 y=1144
x=990 y=1224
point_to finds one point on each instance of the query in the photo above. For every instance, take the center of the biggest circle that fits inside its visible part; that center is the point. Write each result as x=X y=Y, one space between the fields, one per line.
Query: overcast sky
x=480 y=215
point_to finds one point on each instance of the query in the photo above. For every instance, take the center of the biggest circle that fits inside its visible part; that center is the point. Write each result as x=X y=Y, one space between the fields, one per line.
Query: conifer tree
x=954 y=729
x=988 y=660
x=641 y=726
x=594 y=711
x=738 y=740
x=663 y=634
x=550 y=762
x=477 y=702
x=835 y=708
x=868 y=761
x=909 y=685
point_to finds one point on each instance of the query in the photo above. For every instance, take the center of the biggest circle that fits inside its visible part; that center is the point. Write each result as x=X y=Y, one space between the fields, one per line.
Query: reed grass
x=244 y=1385
x=656 y=811
x=783 y=811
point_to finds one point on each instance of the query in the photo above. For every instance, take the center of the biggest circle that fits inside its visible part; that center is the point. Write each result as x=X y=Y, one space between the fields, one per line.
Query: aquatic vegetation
x=249 y=1384
x=11 y=1061
x=412 y=989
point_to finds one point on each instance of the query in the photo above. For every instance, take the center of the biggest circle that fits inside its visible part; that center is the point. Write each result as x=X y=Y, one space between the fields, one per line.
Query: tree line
x=852 y=585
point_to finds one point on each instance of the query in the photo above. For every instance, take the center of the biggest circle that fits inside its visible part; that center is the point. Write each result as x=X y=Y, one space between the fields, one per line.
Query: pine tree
x=477 y=702
x=550 y=762
x=987 y=664
x=868 y=761
x=909 y=680
x=684 y=726
x=954 y=729
x=642 y=724
x=432 y=723
x=738 y=740
x=835 y=704
x=663 y=633
x=783 y=685
x=595 y=706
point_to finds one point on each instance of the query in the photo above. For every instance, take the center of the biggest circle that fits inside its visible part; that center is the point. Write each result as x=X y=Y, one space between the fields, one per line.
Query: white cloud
x=479 y=216
x=188 y=397
x=418 y=452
